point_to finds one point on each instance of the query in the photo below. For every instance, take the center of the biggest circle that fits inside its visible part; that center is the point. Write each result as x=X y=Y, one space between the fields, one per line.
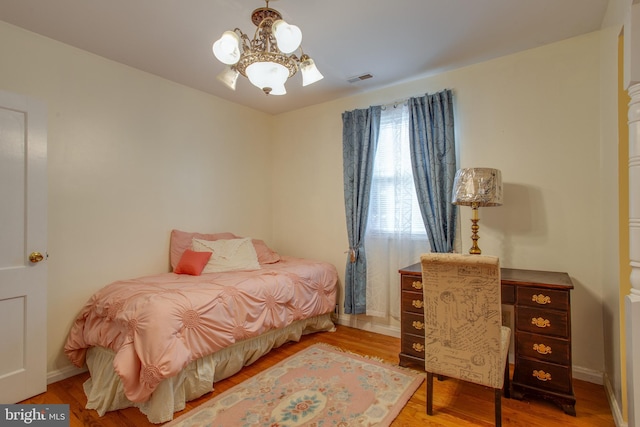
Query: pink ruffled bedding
x=157 y=324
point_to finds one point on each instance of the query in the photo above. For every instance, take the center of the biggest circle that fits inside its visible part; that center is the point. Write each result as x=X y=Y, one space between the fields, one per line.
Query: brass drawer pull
x=417 y=285
x=542 y=349
x=417 y=303
x=542 y=375
x=418 y=347
x=541 y=299
x=540 y=322
x=418 y=325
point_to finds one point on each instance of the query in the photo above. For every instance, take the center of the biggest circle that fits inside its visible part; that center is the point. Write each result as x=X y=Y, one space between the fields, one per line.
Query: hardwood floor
x=455 y=403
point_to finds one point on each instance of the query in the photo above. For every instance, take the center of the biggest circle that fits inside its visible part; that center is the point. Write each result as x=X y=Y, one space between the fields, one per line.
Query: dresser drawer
x=413 y=323
x=413 y=345
x=542 y=298
x=412 y=302
x=543 y=375
x=544 y=348
x=412 y=283
x=545 y=322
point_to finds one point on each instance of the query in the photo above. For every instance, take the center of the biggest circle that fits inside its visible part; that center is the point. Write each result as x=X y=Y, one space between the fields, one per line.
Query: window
x=396 y=234
x=393 y=203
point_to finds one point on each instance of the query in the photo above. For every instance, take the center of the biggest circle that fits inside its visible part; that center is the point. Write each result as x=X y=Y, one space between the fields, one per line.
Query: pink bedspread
x=158 y=324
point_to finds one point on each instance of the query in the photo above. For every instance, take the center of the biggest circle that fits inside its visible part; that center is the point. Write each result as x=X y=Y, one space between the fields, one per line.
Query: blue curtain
x=433 y=158
x=360 y=129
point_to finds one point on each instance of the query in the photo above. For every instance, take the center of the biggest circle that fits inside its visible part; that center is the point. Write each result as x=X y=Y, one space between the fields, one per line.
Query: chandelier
x=268 y=59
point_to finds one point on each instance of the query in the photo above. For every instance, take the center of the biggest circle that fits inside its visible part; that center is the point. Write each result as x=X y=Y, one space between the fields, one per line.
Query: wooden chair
x=464 y=336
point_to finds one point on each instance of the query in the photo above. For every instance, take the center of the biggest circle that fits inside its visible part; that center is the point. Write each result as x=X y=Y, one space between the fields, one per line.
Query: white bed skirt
x=105 y=392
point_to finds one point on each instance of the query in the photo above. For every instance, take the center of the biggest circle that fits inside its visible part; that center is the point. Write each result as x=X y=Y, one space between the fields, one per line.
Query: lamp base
x=475 y=250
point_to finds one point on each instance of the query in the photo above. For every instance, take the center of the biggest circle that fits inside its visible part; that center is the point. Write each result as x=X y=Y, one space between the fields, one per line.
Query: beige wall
x=131 y=156
x=535 y=115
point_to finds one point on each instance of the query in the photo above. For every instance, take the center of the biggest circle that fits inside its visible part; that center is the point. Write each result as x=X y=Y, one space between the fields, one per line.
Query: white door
x=23 y=246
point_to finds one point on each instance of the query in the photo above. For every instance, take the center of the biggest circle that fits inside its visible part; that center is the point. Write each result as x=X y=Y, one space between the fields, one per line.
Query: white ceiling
x=394 y=40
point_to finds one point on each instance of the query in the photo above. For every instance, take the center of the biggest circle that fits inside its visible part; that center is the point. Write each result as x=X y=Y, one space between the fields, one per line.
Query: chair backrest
x=463 y=317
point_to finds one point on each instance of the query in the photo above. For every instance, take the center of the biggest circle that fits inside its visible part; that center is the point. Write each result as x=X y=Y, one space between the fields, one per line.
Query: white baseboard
x=367 y=325
x=614 y=404
x=64 y=373
x=588 y=375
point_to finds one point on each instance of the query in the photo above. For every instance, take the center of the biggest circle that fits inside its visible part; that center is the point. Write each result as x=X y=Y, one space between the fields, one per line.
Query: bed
x=158 y=341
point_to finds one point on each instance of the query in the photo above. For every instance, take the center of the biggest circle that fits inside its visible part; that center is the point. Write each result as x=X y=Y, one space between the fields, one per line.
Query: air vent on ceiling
x=359 y=78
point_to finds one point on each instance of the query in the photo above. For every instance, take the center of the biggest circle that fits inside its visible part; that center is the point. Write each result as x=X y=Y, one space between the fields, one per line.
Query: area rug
x=318 y=386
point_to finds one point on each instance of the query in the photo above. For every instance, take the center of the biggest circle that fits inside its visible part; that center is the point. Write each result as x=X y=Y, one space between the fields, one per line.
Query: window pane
x=394 y=205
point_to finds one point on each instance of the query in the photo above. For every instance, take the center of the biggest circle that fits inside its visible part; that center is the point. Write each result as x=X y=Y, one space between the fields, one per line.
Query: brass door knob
x=35 y=257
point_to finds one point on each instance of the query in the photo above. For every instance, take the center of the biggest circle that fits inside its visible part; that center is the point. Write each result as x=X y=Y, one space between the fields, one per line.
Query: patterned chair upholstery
x=464 y=336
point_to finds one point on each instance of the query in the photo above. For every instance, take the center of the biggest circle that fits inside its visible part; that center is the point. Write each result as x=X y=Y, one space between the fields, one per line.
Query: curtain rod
x=401 y=101
x=395 y=103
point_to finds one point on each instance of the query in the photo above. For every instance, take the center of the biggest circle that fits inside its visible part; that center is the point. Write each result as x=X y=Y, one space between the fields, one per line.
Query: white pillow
x=228 y=255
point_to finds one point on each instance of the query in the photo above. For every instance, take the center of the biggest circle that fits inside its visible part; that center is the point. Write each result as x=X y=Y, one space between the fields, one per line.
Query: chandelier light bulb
x=268 y=76
x=227 y=48
x=229 y=76
x=310 y=73
x=288 y=37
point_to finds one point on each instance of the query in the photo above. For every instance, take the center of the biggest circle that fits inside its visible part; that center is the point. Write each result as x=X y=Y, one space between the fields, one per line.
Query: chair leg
x=429 y=393
x=498 y=398
x=506 y=386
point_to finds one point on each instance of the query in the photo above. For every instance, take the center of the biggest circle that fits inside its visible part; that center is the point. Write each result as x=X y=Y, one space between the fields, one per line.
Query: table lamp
x=477 y=187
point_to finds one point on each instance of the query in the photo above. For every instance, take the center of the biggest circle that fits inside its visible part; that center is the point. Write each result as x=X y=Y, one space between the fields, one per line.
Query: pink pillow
x=181 y=240
x=192 y=262
x=265 y=254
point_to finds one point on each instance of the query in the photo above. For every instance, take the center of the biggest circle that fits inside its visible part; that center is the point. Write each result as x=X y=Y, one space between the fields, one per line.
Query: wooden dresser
x=541 y=332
